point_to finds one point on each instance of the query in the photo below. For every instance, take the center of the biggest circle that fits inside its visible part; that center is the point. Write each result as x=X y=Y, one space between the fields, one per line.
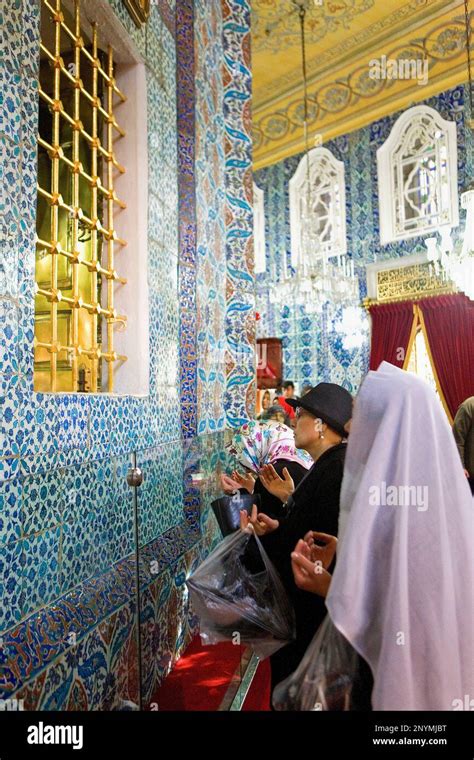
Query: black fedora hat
x=328 y=401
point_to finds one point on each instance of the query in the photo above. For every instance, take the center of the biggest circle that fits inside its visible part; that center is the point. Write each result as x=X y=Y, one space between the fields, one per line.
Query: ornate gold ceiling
x=343 y=37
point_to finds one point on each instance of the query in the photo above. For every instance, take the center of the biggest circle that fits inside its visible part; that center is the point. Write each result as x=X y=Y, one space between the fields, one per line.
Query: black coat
x=269 y=504
x=315 y=506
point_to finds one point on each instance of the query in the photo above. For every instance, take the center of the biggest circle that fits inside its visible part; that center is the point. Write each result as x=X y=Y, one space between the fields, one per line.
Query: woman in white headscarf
x=403 y=588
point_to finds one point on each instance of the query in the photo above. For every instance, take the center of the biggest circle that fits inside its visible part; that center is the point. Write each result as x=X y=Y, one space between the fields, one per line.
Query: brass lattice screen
x=76 y=239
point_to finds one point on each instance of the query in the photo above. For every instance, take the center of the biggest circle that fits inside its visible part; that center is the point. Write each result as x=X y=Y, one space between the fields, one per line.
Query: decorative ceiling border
x=279 y=29
x=345 y=103
x=360 y=43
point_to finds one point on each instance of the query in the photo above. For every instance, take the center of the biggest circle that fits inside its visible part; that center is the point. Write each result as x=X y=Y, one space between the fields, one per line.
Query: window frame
x=259 y=230
x=297 y=185
x=387 y=167
x=131 y=377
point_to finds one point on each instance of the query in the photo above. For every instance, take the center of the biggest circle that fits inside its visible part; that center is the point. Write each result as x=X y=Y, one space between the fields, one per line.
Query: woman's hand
x=282 y=488
x=259 y=522
x=309 y=575
x=322 y=554
x=229 y=485
x=246 y=480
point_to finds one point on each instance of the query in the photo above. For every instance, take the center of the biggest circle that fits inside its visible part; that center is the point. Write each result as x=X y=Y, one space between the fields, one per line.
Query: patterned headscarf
x=258 y=443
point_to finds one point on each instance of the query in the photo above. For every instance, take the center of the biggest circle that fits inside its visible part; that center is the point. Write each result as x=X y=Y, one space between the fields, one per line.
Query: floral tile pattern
x=41 y=575
x=239 y=400
x=69 y=520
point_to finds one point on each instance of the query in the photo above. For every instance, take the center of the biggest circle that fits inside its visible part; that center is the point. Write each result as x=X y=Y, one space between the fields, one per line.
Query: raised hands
x=309 y=562
x=259 y=522
x=282 y=488
x=230 y=484
x=321 y=554
x=246 y=480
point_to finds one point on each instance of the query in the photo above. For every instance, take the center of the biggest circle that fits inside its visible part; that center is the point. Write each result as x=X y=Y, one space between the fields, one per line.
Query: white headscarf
x=403 y=588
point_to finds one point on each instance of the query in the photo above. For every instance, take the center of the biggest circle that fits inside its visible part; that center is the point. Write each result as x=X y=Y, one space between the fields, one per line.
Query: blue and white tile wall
x=240 y=313
x=313 y=350
x=210 y=206
x=70 y=526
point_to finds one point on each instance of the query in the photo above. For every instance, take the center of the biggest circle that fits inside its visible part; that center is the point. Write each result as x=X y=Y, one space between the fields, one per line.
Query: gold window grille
x=76 y=239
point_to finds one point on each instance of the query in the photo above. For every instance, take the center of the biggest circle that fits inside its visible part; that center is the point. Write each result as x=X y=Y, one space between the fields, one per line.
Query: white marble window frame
x=385 y=172
x=297 y=185
x=259 y=229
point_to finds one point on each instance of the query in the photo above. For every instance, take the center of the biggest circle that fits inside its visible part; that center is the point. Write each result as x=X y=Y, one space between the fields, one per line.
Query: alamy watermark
x=384 y=495
x=11 y=705
x=399 y=68
x=45 y=734
x=466 y=704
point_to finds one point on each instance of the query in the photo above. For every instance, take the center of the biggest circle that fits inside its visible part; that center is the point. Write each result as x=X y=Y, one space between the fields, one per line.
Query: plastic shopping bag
x=325 y=676
x=238 y=596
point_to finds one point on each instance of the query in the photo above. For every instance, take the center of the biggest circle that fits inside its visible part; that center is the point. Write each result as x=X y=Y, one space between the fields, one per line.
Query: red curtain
x=269 y=363
x=449 y=323
x=391 y=329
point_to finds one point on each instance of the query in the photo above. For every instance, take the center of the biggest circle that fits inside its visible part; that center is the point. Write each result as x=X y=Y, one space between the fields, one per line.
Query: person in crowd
x=277 y=414
x=288 y=394
x=256 y=445
x=403 y=588
x=463 y=429
x=305 y=389
x=266 y=403
x=313 y=504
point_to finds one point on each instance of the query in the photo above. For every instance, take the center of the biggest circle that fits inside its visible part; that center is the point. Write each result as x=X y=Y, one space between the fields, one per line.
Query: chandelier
x=319 y=277
x=454 y=261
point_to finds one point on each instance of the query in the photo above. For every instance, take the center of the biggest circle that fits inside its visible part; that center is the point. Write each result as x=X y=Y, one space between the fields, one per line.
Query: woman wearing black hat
x=314 y=505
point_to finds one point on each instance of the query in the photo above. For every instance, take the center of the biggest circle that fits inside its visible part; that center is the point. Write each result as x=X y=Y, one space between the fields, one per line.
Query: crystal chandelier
x=454 y=262
x=319 y=277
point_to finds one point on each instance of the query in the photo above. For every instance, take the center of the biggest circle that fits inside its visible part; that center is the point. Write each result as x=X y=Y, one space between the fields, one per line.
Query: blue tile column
x=186 y=214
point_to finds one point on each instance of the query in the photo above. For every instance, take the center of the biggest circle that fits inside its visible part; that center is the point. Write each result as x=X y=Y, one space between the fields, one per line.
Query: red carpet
x=202 y=675
x=258 y=697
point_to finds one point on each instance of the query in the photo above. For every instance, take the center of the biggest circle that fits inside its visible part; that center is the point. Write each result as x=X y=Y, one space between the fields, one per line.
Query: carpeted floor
x=202 y=675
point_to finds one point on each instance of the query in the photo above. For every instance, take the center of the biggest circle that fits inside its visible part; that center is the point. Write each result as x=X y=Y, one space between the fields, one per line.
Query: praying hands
x=282 y=488
x=310 y=562
x=237 y=481
x=257 y=521
x=245 y=480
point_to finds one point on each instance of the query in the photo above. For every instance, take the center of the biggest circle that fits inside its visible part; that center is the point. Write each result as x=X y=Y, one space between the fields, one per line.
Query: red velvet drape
x=449 y=322
x=391 y=329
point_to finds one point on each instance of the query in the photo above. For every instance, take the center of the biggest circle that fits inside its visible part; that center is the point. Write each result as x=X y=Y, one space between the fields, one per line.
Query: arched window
x=417 y=173
x=326 y=197
x=259 y=228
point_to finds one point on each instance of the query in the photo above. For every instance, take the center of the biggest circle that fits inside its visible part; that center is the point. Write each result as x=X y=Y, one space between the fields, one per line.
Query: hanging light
x=318 y=279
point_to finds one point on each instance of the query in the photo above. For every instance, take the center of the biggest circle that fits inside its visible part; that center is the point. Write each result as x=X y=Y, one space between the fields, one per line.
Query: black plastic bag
x=227 y=510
